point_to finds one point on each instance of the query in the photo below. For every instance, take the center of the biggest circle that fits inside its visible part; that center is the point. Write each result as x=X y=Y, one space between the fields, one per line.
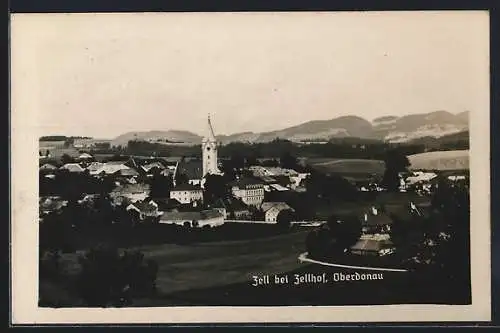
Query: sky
x=102 y=75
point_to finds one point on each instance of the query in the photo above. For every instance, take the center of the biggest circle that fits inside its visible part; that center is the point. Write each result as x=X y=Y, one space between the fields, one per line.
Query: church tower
x=209 y=152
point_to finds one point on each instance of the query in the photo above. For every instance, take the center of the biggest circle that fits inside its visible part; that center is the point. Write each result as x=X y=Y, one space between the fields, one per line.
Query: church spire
x=211 y=135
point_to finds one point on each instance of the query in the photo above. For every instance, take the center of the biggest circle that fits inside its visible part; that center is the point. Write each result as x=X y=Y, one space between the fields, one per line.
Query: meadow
x=440 y=160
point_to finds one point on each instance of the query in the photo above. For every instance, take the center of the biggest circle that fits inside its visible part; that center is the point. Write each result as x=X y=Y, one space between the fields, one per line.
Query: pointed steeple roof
x=211 y=135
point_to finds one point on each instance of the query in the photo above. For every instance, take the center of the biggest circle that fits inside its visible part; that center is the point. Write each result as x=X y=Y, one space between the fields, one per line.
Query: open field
x=221 y=273
x=440 y=160
x=347 y=166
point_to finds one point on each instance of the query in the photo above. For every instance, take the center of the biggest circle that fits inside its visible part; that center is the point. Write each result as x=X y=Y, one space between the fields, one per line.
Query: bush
x=108 y=278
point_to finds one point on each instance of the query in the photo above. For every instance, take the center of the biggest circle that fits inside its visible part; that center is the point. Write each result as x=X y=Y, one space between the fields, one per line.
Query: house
x=193 y=219
x=145 y=209
x=72 y=167
x=130 y=192
x=187 y=193
x=153 y=167
x=375 y=221
x=47 y=167
x=191 y=169
x=272 y=209
x=167 y=204
x=249 y=190
x=110 y=168
x=85 y=156
x=232 y=208
x=372 y=247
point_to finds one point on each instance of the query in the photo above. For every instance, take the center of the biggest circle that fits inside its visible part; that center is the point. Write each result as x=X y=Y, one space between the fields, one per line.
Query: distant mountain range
x=389 y=129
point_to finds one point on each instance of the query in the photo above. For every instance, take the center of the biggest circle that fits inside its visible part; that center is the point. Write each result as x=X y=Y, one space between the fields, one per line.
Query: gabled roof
x=371 y=245
x=231 y=205
x=85 y=156
x=73 y=167
x=192 y=169
x=48 y=166
x=111 y=168
x=153 y=165
x=265 y=206
x=145 y=207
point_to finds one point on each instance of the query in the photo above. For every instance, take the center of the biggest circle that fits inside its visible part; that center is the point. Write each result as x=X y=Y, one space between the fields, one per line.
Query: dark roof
x=167 y=203
x=268 y=180
x=186 y=187
x=246 y=181
x=231 y=205
x=192 y=169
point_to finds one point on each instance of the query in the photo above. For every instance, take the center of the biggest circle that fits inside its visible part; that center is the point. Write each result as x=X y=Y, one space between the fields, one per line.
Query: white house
x=250 y=191
x=187 y=193
x=145 y=209
x=210 y=218
x=272 y=210
x=72 y=167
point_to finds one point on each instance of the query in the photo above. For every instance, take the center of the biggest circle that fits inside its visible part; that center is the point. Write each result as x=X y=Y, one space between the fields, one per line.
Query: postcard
x=250 y=167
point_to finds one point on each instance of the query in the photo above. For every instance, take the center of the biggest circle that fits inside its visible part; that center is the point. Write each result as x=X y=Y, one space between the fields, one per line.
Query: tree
x=65 y=159
x=285 y=218
x=160 y=186
x=395 y=162
x=181 y=179
x=288 y=161
x=108 y=278
x=215 y=188
x=345 y=230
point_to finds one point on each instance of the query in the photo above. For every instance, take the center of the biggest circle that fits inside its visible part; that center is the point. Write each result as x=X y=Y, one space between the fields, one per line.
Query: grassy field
x=221 y=273
x=347 y=166
x=393 y=202
x=440 y=160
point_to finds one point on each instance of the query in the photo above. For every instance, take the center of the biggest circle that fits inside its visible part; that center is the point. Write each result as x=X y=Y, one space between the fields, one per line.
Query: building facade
x=250 y=191
x=209 y=152
x=187 y=194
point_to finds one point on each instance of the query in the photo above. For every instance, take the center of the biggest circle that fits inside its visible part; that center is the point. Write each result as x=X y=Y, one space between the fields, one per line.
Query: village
x=193 y=193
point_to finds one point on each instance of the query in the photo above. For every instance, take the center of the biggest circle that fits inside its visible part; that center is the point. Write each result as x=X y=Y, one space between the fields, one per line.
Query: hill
x=388 y=128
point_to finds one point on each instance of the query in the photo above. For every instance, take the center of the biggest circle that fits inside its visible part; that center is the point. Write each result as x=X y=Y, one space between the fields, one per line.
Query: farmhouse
x=187 y=193
x=131 y=192
x=232 y=208
x=372 y=247
x=47 y=167
x=272 y=209
x=145 y=209
x=210 y=218
x=72 y=167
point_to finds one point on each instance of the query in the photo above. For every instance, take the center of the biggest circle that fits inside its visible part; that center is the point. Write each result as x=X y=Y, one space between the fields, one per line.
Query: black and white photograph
x=247 y=161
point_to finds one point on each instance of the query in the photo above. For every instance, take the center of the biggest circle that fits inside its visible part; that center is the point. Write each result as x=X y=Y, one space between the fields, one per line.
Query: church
x=195 y=170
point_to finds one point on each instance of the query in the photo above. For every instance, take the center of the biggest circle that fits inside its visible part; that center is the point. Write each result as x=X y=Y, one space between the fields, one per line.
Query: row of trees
x=335 y=148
